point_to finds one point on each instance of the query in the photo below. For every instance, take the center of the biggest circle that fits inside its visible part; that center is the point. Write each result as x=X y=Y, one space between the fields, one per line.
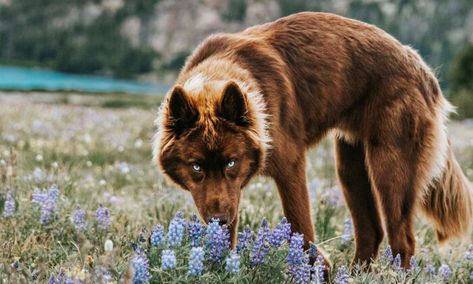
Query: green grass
x=103 y=156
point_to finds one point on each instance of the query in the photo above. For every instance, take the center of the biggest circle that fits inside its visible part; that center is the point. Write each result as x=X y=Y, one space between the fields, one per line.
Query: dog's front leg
x=294 y=195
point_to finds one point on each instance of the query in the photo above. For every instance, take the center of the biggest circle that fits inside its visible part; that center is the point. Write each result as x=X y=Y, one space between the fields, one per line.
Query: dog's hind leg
x=354 y=180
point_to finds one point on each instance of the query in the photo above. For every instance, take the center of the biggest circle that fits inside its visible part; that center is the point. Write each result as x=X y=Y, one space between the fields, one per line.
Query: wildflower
x=469 y=253
x=140 y=267
x=347 y=230
x=124 y=168
x=430 y=269
x=301 y=273
x=232 y=263
x=103 y=217
x=157 y=235
x=413 y=264
x=168 y=259
x=397 y=262
x=281 y=233
x=296 y=250
x=195 y=230
x=261 y=247
x=245 y=239
x=319 y=271
x=342 y=276
x=108 y=246
x=176 y=230
x=217 y=240
x=298 y=260
x=47 y=202
x=444 y=271
x=78 y=219
x=9 y=205
x=471 y=276
x=387 y=256
x=196 y=261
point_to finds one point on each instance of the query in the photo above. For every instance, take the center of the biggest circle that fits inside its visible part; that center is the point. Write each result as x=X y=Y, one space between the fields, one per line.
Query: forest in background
x=150 y=39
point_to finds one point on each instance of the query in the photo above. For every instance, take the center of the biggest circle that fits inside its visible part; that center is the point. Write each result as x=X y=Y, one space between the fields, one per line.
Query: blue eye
x=231 y=164
x=196 y=167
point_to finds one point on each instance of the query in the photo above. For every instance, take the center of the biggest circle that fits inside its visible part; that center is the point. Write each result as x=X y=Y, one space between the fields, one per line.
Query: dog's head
x=211 y=140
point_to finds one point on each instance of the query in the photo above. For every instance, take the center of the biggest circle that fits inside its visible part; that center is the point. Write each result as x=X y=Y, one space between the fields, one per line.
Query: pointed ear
x=182 y=114
x=233 y=106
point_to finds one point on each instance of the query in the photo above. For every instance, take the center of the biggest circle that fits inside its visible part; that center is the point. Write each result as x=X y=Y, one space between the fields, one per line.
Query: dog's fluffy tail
x=449 y=201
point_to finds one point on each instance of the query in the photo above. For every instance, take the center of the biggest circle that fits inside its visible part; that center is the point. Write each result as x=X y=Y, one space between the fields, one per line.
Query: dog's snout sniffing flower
x=195 y=230
x=140 y=267
x=342 y=276
x=445 y=272
x=261 y=246
x=9 y=205
x=176 y=230
x=196 y=261
x=245 y=239
x=157 y=235
x=48 y=203
x=347 y=230
x=281 y=233
x=102 y=215
x=217 y=240
x=168 y=259
x=78 y=219
x=232 y=263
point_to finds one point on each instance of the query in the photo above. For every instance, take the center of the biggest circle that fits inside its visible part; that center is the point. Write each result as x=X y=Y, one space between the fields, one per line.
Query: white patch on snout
x=195 y=84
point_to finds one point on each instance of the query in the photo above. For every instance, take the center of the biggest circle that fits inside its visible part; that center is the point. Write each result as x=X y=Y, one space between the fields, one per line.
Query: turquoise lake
x=29 y=79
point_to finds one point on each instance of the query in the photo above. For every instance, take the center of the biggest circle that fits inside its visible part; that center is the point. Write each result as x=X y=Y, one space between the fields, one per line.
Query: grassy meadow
x=99 y=157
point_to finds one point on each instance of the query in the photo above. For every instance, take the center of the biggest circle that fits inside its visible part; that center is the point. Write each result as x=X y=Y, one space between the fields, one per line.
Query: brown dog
x=255 y=101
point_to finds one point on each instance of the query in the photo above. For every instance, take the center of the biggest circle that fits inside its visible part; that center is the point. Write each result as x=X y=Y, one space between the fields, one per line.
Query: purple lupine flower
x=319 y=271
x=168 y=259
x=157 y=235
x=296 y=250
x=78 y=219
x=430 y=269
x=281 y=233
x=195 y=230
x=471 y=276
x=342 y=276
x=397 y=262
x=445 y=272
x=9 y=205
x=232 y=263
x=196 y=261
x=261 y=246
x=245 y=239
x=347 y=230
x=413 y=263
x=217 y=240
x=47 y=202
x=469 y=253
x=387 y=256
x=301 y=273
x=140 y=266
x=103 y=217
x=176 y=230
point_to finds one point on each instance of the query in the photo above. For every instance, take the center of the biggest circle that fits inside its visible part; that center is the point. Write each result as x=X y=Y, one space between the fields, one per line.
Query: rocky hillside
x=130 y=37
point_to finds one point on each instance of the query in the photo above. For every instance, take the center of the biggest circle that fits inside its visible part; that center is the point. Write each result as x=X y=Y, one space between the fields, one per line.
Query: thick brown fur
x=260 y=98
